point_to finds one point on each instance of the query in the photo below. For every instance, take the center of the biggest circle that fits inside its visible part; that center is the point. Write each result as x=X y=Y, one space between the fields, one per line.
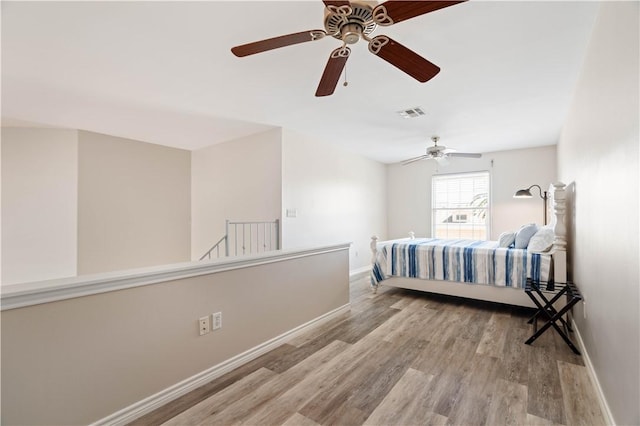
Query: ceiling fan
x=352 y=21
x=440 y=153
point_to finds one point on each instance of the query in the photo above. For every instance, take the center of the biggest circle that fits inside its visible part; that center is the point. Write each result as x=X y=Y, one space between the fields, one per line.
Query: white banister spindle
x=226 y=236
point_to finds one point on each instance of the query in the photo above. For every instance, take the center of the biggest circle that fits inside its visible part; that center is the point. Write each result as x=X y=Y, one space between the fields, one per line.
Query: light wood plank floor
x=405 y=358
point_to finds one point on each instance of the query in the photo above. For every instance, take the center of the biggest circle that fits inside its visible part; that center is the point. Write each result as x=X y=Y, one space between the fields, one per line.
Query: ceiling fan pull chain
x=346 y=83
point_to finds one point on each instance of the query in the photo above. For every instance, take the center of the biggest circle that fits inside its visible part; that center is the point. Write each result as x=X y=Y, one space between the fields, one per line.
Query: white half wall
x=80 y=359
x=598 y=158
x=409 y=189
x=336 y=196
x=238 y=180
x=39 y=204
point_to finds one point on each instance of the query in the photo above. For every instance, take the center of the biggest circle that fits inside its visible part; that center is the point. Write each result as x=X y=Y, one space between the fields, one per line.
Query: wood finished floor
x=405 y=358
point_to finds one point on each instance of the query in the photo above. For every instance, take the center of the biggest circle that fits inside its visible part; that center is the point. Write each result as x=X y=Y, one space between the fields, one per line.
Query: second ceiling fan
x=440 y=153
x=352 y=21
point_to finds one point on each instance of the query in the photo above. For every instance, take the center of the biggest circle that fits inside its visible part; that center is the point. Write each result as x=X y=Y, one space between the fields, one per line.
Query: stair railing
x=215 y=247
x=242 y=238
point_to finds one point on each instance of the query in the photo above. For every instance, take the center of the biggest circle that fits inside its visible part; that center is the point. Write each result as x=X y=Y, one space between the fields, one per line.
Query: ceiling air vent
x=411 y=113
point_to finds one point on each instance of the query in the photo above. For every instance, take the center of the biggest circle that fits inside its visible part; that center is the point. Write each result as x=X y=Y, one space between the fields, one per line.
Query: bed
x=479 y=270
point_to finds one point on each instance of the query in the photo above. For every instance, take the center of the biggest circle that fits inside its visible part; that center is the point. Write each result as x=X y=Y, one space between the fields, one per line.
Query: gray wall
x=338 y=196
x=239 y=180
x=76 y=202
x=598 y=158
x=133 y=204
x=39 y=204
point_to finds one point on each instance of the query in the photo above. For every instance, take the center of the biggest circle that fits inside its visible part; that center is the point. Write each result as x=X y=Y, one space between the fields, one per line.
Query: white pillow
x=524 y=234
x=542 y=240
x=506 y=239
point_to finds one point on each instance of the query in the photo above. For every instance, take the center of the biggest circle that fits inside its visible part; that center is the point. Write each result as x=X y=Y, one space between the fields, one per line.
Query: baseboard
x=358 y=273
x=606 y=411
x=167 y=395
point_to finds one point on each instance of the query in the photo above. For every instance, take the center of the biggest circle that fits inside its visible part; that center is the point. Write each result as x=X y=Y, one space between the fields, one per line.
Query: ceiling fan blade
x=276 y=42
x=393 y=11
x=403 y=58
x=339 y=7
x=413 y=160
x=464 y=154
x=332 y=71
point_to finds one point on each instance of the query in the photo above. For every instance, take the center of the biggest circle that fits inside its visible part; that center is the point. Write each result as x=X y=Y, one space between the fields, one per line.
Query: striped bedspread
x=468 y=261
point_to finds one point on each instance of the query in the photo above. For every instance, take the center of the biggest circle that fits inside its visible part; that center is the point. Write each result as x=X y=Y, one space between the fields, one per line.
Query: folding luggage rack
x=546 y=310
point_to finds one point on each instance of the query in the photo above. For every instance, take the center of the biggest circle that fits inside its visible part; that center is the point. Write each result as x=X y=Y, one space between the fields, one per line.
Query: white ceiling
x=162 y=72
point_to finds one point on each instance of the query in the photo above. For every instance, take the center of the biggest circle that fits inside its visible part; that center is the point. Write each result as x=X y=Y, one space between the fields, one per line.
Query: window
x=460 y=206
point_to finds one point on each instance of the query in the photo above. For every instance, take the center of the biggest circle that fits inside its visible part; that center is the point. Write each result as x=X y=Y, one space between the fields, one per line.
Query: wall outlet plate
x=204 y=325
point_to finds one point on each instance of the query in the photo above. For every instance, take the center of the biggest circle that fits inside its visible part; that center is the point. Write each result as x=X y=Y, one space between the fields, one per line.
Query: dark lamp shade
x=526 y=193
x=523 y=193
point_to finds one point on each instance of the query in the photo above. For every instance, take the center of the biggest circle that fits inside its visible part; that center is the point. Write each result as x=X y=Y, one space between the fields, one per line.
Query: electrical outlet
x=216 y=320
x=204 y=325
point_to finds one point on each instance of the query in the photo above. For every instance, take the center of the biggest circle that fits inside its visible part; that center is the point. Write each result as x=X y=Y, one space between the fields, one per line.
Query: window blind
x=460 y=205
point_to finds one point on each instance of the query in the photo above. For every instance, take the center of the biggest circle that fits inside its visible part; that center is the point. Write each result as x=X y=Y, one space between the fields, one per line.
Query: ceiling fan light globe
x=351 y=33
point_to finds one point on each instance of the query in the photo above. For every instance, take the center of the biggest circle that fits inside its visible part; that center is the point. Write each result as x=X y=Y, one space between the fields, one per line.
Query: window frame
x=457 y=211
